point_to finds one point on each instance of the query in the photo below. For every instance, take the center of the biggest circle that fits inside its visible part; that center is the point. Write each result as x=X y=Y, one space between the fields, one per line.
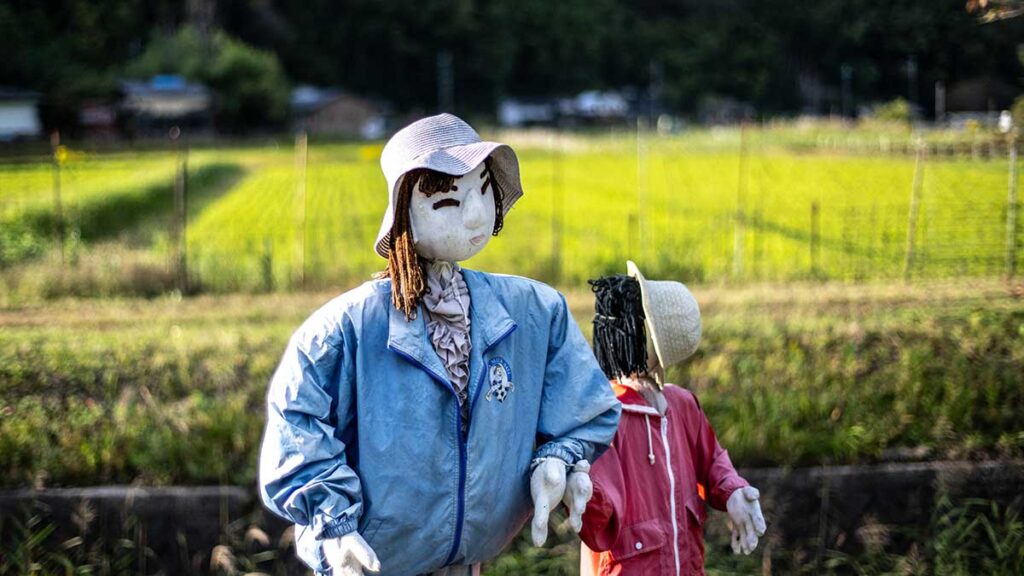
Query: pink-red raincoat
x=647 y=513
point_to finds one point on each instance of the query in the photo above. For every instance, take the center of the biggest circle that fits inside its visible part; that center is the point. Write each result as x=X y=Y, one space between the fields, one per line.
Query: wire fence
x=307 y=217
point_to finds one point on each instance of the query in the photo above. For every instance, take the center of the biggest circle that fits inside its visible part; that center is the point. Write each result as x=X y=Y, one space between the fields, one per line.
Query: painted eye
x=446 y=202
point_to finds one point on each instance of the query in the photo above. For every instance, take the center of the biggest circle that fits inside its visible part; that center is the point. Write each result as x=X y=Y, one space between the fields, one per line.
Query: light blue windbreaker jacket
x=363 y=426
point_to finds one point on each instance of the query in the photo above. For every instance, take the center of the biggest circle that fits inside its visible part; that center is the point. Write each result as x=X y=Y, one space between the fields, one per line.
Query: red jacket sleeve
x=606 y=507
x=714 y=468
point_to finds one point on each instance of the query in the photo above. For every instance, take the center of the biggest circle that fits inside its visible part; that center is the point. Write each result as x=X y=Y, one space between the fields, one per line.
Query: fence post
x=815 y=237
x=915 y=201
x=741 y=193
x=180 y=223
x=641 y=188
x=267 y=265
x=301 y=162
x=557 y=205
x=181 y=197
x=632 y=235
x=58 y=207
x=1011 y=212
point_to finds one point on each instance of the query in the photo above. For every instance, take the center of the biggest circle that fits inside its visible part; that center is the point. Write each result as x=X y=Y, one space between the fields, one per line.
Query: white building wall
x=19 y=119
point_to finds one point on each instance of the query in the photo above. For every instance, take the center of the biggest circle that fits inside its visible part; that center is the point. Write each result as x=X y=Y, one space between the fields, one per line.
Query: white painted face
x=453 y=225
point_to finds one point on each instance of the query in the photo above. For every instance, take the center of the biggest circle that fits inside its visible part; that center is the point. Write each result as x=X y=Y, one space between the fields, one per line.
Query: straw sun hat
x=447 y=144
x=673 y=317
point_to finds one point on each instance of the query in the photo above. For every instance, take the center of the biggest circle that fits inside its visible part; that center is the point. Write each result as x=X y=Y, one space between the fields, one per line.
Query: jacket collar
x=632 y=401
x=489 y=321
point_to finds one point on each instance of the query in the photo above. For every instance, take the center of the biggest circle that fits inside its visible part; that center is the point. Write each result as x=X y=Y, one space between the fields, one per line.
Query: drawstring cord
x=650 y=445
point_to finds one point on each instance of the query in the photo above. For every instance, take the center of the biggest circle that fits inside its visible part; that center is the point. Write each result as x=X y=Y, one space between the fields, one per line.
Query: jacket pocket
x=697 y=511
x=640 y=538
x=693 y=539
x=370 y=532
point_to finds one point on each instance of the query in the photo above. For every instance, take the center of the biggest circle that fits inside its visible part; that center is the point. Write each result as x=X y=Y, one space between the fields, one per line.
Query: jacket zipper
x=461 y=500
x=460 y=508
x=672 y=490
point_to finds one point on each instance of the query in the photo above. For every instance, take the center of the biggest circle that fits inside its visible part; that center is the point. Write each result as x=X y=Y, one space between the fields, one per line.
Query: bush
x=1017 y=110
x=897 y=110
x=18 y=241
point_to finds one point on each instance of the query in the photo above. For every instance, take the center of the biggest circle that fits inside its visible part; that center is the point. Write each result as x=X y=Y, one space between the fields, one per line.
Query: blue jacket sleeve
x=579 y=413
x=304 y=475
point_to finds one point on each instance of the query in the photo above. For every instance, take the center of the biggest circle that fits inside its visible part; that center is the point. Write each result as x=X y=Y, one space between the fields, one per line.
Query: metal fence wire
x=286 y=219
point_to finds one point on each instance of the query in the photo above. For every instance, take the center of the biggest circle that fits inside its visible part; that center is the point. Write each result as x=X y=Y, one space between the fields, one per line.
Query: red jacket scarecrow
x=650 y=489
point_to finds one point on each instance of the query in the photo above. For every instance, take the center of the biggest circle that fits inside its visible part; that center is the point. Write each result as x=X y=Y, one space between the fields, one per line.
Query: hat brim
x=674 y=304
x=633 y=271
x=458 y=161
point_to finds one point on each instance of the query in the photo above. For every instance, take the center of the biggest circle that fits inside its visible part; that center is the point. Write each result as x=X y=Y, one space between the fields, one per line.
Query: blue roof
x=163 y=84
x=167 y=82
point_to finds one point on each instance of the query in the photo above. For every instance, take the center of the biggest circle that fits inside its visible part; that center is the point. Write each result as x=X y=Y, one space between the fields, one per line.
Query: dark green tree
x=251 y=89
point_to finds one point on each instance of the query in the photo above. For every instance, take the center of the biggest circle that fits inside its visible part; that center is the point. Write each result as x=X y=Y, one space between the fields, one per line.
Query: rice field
x=702 y=215
x=710 y=206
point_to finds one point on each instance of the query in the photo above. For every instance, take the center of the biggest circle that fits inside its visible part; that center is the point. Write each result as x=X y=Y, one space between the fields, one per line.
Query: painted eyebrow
x=446 y=202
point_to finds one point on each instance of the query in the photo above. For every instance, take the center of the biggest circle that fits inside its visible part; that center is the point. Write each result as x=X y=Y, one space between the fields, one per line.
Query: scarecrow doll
x=649 y=489
x=415 y=421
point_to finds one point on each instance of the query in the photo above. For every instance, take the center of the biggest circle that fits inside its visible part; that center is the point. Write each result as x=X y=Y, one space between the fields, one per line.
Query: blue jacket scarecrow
x=365 y=431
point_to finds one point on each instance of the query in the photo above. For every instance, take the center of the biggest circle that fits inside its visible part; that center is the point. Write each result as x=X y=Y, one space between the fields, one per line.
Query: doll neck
x=648 y=389
x=442 y=271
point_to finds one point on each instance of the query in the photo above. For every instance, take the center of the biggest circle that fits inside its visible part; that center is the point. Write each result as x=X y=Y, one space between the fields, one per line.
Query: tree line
x=778 y=56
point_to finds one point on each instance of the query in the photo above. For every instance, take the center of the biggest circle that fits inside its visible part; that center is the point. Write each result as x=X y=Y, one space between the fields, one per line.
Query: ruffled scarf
x=447 y=305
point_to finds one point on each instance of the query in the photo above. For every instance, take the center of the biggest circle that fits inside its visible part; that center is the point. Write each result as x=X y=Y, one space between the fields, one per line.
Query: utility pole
x=912 y=79
x=846 y=76
x=445 y=82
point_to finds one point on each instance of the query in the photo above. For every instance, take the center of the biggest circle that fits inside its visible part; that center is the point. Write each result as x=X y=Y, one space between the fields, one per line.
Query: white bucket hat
x=673 y=317
x=447 y=144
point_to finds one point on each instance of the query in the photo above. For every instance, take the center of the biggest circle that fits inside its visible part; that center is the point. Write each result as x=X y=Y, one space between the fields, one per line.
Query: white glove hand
x=547 y=486
x=349 y=555
x=745 y=519
x=578 y=491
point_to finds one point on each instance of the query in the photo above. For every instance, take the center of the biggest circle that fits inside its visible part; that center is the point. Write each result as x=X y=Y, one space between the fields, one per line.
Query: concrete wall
x=809 y=511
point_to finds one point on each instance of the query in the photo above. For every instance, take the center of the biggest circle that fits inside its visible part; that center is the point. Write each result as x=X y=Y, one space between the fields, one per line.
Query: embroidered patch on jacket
x=500 y=375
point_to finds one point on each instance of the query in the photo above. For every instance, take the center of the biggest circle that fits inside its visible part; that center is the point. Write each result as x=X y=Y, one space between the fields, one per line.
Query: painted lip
x=478 y=239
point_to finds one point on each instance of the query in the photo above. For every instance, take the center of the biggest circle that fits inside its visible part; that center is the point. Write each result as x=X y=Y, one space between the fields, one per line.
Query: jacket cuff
x=333 y=528
x=724 y=491
x=553 y=450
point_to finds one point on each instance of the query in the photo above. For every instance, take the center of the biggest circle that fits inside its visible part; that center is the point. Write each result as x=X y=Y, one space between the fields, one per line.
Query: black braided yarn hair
x=620 y=338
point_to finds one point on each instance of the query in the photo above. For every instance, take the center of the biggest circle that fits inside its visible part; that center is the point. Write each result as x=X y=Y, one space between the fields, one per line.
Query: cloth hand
x=578 y=491
x=547 y=486
x=745 y=519
x=350 y=555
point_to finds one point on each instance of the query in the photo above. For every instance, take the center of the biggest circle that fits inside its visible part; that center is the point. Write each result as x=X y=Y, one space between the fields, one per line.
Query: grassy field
x=706 y=206
x=109 y=375
x=171 y=391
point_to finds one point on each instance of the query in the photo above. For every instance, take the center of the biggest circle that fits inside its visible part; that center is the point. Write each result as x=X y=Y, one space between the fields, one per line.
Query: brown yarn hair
x=405 y=267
